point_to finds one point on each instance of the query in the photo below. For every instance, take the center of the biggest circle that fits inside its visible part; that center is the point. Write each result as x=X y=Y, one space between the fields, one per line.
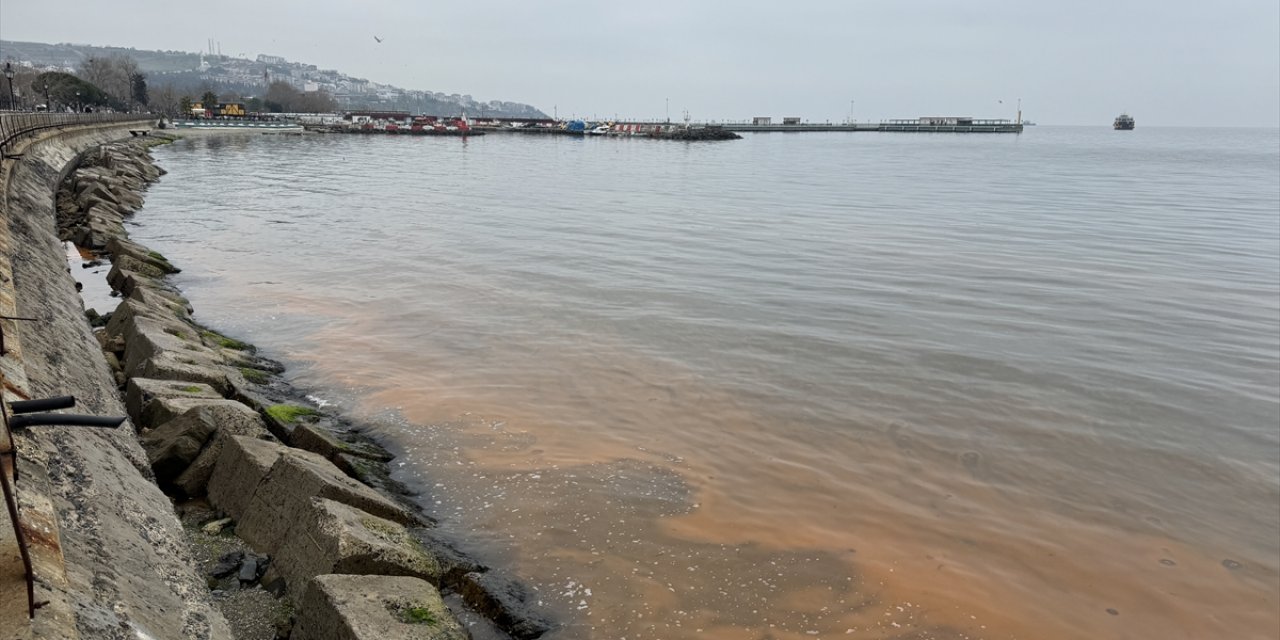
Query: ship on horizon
x=1124 y=122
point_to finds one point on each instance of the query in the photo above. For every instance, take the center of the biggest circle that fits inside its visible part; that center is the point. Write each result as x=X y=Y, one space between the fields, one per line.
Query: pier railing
x=16 y=124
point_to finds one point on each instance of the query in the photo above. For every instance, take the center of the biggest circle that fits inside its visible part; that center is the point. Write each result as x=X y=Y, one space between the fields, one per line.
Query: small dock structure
x=926 y=124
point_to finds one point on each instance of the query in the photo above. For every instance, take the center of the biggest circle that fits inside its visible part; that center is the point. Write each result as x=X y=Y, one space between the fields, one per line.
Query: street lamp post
x=48 y=106
x=8 y=73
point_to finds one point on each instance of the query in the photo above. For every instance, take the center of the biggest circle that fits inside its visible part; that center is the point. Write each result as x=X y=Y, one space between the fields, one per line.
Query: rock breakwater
x=292 y=497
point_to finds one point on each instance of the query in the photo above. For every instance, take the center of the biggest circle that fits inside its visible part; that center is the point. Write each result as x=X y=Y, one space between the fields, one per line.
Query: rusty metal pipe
x=11 y=501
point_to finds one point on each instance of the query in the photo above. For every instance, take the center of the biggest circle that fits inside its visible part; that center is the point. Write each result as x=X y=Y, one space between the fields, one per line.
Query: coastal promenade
x=107 y=550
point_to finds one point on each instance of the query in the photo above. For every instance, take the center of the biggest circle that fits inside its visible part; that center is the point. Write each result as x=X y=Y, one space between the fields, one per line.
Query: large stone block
x=162 y=410
x=174 y=445
x=177 y=367
x=506 y=602
x=123 y=319
x=121 y=248
x=148 y=337
x=120 y=280
x=153 y=295
x=285 y=496
x=317 y=438
x=335 y=538
x=194 y=481
x=141 y=391
x=240 y=468
x=266 y=486
x=342 y=607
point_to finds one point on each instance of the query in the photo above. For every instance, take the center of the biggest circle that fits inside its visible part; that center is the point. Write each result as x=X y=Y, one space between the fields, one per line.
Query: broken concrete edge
x=175 y=370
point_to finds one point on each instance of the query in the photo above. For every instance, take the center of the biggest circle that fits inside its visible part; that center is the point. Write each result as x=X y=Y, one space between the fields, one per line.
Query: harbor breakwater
x=226 y=497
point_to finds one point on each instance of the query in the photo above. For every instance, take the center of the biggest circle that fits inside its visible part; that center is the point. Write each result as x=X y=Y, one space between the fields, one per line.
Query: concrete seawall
x=110 y=556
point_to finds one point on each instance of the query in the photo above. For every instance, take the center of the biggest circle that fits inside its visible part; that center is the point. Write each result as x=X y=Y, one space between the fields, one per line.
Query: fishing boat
x=1124 y=122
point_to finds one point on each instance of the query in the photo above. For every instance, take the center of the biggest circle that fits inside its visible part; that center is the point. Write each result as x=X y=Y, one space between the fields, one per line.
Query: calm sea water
x=793 y=386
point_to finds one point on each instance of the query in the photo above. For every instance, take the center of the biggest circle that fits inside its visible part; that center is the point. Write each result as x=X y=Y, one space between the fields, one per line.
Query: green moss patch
x=410 y=614
x=177 y=332
x=191 y=389
x=227 y=343
x=386 y=529
x=289 y=413
x=255 y=376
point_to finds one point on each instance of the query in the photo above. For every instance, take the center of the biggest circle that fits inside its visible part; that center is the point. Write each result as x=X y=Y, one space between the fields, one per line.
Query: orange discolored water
x=854 y=386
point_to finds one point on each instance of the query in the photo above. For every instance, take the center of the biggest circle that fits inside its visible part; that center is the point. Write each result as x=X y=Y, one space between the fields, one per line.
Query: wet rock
x=226 y=565
x=248 y=571
x=506 y=602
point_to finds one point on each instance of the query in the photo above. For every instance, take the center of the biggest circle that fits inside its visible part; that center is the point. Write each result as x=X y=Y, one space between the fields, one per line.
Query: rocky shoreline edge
x=292 y=512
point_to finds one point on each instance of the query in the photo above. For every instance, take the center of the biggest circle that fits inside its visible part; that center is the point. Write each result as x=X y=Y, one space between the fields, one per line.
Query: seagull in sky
x=377 y=38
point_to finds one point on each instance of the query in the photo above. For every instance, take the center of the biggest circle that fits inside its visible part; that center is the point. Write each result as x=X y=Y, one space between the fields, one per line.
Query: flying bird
x=377 y=38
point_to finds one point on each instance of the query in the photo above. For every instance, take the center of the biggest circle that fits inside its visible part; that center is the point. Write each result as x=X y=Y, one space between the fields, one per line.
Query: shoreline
x=492 y=605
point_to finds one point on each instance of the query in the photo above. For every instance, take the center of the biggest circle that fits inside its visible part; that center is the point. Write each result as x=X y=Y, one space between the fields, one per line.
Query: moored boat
x=262 y=126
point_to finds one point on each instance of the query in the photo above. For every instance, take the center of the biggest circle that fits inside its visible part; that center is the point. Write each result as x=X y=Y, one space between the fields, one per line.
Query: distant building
x=310 y=87
x=762 y=120
x=946 y=121
x=791 y=121
x=266 y=59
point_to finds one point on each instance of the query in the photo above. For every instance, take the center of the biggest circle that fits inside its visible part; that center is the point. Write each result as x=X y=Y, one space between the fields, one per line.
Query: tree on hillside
x=184 y=105
x=209 y=100
x=280 y=96
x=283 y=97
x=70 y=91
x=164 y=100
x=138 y=87
x=113 y=74
x=316 y=102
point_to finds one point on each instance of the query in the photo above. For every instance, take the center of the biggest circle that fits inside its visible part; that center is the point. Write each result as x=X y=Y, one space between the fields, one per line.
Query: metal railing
x=16 y=124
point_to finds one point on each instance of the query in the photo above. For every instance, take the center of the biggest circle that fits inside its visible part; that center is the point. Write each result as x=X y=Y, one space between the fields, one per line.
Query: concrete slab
x=142 y=391
x=285 y=496
x=335 y=538
x=341 y=607
x=174 y=445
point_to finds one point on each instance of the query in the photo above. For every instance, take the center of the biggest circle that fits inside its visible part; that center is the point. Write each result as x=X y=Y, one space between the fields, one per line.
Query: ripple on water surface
x=794 y=386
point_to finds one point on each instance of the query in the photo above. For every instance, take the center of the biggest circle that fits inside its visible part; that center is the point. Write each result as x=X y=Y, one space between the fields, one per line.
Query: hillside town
x=246 y=77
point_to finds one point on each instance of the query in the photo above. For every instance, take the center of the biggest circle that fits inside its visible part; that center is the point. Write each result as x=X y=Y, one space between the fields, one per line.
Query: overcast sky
x=1168 y=62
